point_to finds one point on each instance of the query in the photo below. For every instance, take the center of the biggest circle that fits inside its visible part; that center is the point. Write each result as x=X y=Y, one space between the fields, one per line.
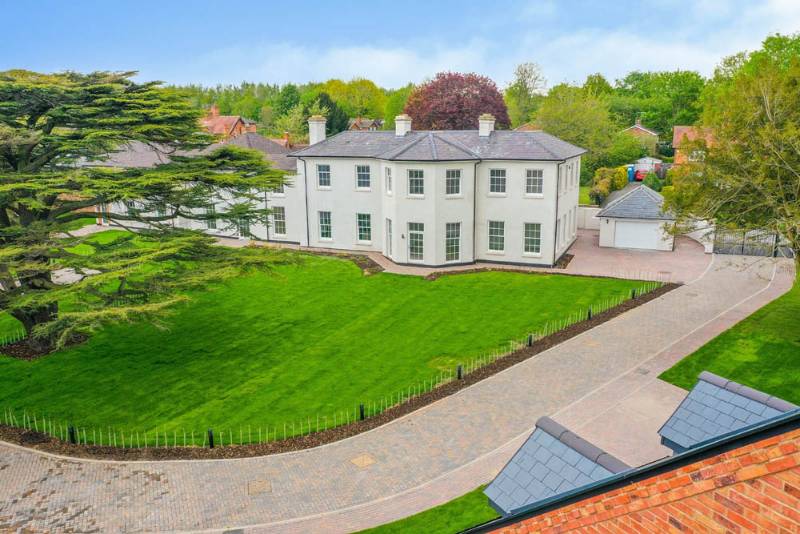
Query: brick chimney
x=485 y=125
x=316 y=129
x=402 y=125
x=286 y=140
x=213 y=111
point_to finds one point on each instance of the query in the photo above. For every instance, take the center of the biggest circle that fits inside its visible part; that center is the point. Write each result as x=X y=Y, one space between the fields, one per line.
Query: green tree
x=337 y=118
x=51 y=128
x=288 y=98
x=597 y=84
x=524 y=94
x=749 y=176
x=395 y=104
x=581 y=118
x=358 y=97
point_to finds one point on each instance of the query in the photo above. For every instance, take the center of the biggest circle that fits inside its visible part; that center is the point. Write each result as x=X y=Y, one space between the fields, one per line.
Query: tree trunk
x=32 y=317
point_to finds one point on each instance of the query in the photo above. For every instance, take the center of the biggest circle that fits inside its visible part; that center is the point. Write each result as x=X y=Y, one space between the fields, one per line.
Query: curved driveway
x=426 y=458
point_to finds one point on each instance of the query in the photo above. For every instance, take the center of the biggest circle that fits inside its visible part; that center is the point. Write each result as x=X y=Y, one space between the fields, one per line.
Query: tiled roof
x=635 y=201
x=690 y=133
x=642 y=128
x=136 y=154
x=443 y=145
x=716 y=406
x=220 y=124
x=552 y=461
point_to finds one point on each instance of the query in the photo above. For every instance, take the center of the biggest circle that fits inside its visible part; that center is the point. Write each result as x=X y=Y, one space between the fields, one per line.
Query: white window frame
x=421 y=178
x=447 y=178
x=454 y=240
x=489 y=236
x=360 y=217
x=279 y=191
x=421 y=232
x=388 y=180
x=525 y=238
x=279 y=222
x=319 y=176
x=321 y=225
x=360 y=174
x=533 y=180
x=504 y=182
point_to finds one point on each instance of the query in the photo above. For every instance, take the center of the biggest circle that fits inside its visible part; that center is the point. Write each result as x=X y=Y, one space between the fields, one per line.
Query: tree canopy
x=454 y=101
x=748 y=175
x=524 y=93
x=55 y=131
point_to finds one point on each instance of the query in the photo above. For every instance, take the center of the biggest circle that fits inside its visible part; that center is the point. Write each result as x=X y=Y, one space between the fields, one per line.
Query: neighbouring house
x=647 y=165
x=647 y=137
x=226 y=126
x=633 y=217
x=682 y=135
x=433 y=197
x=365 y=125
x=735 y=467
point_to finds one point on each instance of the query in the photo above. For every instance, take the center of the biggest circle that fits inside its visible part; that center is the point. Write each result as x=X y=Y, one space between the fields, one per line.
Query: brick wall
x=755 y=488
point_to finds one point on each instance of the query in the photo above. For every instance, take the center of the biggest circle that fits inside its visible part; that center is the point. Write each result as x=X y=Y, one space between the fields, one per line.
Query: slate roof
x=136 y=154
x=552 y=461
x=635 y=201
x=443 y=145
x=716 y=406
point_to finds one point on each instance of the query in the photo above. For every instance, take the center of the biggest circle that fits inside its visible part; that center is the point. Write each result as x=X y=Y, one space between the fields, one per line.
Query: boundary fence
x=224 y=436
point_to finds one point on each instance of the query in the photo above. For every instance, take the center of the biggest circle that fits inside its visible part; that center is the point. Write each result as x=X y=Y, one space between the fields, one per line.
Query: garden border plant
x=32 y=431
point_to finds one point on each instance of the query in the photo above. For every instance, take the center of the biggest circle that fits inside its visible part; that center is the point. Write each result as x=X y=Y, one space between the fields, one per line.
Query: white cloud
x=697 y=37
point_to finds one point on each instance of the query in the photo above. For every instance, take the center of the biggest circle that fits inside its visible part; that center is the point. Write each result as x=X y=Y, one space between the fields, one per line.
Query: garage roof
x=639 y=202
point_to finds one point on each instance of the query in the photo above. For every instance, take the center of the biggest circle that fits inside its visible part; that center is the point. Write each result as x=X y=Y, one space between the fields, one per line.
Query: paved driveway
x=590 y=382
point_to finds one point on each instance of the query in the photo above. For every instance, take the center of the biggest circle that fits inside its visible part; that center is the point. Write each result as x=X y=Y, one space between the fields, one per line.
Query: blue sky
x=391 y=42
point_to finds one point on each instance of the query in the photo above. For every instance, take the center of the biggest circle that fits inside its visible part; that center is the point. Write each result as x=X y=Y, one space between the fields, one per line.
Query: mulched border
x=43 y=442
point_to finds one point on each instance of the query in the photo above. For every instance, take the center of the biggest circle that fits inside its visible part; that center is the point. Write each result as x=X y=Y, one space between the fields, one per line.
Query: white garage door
x=630 y=234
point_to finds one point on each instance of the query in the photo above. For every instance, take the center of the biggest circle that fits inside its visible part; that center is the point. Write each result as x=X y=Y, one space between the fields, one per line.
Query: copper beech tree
x=454 y=101
x=55 y=131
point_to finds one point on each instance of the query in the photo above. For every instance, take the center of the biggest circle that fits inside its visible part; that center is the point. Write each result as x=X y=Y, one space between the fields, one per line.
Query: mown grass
x=271 y=348
x=762 y=351
x=583 y=197
x=459 y=514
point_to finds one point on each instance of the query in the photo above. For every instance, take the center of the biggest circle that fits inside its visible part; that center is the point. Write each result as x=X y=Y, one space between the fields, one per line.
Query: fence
x=223 y=435
x=751 y=243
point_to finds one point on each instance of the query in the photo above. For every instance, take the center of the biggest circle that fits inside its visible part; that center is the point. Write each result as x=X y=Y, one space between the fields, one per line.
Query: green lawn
x=459 y=514
x=272 y=348
x=762 y=351
x=584 y=195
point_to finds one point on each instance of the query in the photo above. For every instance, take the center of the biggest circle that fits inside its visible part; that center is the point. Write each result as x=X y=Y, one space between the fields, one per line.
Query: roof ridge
x=624 y=195
x=458 y=145
x=432 y=142
x=581 y=446
x=747 y=392
x=391 y=154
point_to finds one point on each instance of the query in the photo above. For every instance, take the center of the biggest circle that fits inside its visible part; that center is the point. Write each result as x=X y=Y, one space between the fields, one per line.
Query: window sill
x=279 y=236
x=364 y=189
x=453 y=197
x=498 y=195
x=416 y=197
x=326 y=239
x=277 y=195
x=364 y=243
x=496 y=252
x=532 y=254
x=534 y=195
x=323 y=188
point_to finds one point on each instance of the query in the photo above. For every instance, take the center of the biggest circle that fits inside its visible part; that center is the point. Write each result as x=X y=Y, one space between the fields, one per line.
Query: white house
x=427 y=197
x=633 y=217
x=432 y=197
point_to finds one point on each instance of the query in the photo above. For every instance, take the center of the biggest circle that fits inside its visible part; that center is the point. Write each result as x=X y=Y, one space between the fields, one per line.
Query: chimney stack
x=316 y=129
x=402 y=125
x=213 y=111
x=485 y=125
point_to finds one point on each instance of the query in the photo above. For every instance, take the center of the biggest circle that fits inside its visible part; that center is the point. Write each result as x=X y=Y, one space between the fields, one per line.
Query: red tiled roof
x=691 y=133
x=220 y=124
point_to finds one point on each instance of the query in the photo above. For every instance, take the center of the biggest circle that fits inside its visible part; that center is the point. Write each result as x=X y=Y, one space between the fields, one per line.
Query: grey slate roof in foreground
x=639 y=202
x=552 y=461
x=716 y=406
x=443 y=145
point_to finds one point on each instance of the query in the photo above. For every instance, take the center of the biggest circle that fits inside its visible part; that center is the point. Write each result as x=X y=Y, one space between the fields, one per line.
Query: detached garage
x=634 y=218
